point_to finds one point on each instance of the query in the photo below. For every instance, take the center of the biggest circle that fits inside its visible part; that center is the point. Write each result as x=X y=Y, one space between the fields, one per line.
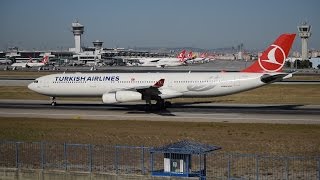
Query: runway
x=203 y=112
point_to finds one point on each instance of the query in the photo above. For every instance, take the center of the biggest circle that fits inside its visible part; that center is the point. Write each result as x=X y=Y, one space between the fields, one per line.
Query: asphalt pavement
x=202 y=112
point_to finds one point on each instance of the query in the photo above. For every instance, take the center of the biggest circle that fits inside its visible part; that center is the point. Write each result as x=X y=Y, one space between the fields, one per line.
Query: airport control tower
x=304 y=33
x=97 y=44
x=77 y=30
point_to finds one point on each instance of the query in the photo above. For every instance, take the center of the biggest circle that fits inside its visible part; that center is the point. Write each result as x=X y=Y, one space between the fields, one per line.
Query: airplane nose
x=31 y=86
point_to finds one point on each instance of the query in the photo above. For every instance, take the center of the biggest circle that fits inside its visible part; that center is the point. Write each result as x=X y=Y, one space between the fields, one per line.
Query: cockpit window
x=35 y=81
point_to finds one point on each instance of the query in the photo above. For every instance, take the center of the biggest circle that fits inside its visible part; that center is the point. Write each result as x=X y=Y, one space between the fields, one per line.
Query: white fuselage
x=160 y=62
x=197 y=60
x=29 y=64
x=175 y=84
x=5 y=61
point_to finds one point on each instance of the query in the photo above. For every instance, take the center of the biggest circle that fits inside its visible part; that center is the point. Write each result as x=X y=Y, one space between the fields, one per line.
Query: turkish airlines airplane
x=124 y=87
x=164 y=62
x=195 y=59
x=30 y=63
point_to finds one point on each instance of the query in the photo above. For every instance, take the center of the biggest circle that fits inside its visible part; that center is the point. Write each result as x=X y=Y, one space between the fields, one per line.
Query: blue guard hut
x=184 y=159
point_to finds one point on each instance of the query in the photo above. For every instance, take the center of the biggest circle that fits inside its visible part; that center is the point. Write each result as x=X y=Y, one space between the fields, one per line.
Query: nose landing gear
x=53 y=101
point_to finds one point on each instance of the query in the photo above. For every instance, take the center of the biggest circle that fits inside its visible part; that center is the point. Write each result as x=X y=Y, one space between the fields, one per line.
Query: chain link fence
x=137 y=160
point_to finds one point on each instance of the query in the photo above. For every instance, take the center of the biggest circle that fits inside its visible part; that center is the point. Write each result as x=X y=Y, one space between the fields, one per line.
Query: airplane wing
x=154 y=87
x=155 y=60
x=153 y=91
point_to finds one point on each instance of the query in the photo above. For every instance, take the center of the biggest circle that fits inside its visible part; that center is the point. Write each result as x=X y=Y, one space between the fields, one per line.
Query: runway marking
x=150 y=116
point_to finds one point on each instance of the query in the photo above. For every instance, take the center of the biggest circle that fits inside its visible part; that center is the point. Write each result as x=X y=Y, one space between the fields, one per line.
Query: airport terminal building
x=79 y=55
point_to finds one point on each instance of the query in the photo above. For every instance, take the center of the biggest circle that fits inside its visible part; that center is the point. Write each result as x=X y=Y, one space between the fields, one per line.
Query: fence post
x=200 y=168
x=90 y=157
x=170 y=155
x=151 y=161
x=42 y=155
x=65 y=156
x=318 y=168
x=229 y=166
x=187 y=165
x=257 y=167
x=142 y=160
x=116 y=159
x=205 y=165
x=17 y=155
x=287 y=168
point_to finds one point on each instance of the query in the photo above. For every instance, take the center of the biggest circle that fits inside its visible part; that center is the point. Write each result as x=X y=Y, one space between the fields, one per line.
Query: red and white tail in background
x=273 y=58
x=204 y=55
x=45 y=60
x=182 y=56
x=30 y=60
x=190 y=54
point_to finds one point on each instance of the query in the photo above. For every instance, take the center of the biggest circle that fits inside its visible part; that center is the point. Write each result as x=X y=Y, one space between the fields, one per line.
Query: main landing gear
x=161 y=104
x=53 y=101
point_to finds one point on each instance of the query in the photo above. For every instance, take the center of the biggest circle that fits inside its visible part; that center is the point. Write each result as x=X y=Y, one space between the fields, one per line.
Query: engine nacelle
x=109 y=98
x=121 y=96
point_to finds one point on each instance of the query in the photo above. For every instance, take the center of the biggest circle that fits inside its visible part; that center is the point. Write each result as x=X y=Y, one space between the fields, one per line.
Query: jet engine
x=121 y=96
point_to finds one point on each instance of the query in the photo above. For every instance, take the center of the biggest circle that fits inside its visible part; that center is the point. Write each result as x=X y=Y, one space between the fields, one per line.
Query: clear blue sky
x=46 y=24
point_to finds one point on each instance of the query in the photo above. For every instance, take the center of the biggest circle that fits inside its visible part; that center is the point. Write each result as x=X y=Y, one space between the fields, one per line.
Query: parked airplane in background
x=190 y=55
x=30 y=63
x=164 y=62
x=5 y=61
x=124 y=87
x=195 y=59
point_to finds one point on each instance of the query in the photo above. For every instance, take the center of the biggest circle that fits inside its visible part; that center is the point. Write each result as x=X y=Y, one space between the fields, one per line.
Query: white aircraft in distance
x=195 y=59
x=124 y=87
x=164 y=62
x=30 y=63
x=5 y=61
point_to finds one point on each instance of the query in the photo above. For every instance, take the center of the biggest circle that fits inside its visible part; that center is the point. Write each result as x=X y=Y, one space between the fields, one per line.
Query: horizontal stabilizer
x=267 y=78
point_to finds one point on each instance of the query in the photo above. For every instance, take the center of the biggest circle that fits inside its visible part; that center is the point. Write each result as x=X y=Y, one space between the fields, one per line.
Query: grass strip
x=279 y=139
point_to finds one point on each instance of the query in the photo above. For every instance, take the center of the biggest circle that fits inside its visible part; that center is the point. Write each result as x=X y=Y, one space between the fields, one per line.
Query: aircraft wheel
x=161 y=104
x=167 y=104
x=53 y=101
x=148 y=106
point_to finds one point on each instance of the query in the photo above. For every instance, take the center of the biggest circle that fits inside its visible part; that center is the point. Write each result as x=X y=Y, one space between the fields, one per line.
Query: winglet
x=159 y=83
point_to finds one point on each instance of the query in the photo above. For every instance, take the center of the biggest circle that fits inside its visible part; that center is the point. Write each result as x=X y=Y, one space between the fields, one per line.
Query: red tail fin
x=273 y=58
x=204 y=55
x=45 y=59
x=182 y=56
x=190 y=55
x=30 y=59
